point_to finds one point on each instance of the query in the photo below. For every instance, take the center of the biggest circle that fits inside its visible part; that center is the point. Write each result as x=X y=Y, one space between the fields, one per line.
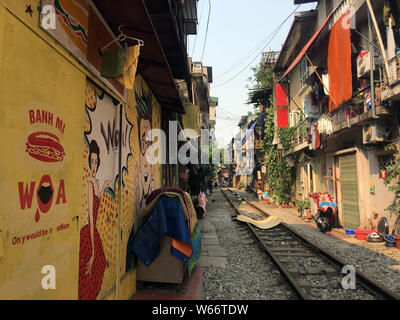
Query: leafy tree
x=278 y=176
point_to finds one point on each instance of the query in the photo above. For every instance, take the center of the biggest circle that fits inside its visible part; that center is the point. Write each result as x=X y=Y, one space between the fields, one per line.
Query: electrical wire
x=201 y=16
x=274 y=34
x=208 y=21
x=226 y=112
x=258 y=46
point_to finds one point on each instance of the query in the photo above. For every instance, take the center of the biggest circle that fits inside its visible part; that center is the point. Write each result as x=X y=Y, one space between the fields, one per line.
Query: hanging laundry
x=311 y=111
x=121 y=65
x=325 y=125
x=325 y=81
x=317 y=144
x=315 y=137
x=112 y=65
x=368 y=101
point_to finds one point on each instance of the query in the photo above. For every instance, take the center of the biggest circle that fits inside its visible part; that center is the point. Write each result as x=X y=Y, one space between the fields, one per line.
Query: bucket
x=362 y=234
x=390 y=241
x=397 y=242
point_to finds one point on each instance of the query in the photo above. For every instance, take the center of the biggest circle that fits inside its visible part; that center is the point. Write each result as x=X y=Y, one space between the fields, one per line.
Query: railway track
x=313 y=272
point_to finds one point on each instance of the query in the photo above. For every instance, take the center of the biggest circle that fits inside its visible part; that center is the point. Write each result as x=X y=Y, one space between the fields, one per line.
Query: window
x=304 y=73
x=386 y=160
x=294 y=118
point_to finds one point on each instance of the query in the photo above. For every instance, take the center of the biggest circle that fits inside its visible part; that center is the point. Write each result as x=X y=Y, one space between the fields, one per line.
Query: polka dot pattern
x=101 y=282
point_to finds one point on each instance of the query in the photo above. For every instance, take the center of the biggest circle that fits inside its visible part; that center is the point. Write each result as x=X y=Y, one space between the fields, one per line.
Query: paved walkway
x=213 y=254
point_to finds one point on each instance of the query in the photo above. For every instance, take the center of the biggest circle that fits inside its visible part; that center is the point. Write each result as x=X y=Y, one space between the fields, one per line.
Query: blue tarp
x=166 y=219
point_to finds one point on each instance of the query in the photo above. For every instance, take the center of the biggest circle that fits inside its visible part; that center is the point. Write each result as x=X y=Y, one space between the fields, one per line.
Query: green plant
x=278 y=176
x=286 y=136
x=303 y=205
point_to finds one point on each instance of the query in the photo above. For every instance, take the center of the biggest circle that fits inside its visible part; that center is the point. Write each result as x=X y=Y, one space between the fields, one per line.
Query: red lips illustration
x=45 y=195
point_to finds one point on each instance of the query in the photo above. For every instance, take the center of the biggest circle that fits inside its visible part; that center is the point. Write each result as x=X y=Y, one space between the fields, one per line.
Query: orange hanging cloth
x=339 y=64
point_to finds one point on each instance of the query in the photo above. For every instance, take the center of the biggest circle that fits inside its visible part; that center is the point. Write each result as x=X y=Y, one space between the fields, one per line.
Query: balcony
x=392 y=91
x=356 y=113
x=300 y=140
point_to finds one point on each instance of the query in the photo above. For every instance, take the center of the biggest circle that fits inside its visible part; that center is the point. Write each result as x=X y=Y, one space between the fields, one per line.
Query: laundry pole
x=378 y=34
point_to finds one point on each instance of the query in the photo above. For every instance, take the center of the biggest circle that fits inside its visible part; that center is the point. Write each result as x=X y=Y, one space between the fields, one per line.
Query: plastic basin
x=362 y=234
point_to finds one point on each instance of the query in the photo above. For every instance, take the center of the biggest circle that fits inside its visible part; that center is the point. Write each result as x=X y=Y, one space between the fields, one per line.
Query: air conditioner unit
x=363 y=64
x=375 y=132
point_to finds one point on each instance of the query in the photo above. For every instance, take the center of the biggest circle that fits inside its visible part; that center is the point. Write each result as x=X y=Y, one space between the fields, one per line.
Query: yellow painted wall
x=38 y=74
x=34 y=77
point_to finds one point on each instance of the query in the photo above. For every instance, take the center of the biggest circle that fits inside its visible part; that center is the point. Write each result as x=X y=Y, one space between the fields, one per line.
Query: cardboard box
x=165 y=268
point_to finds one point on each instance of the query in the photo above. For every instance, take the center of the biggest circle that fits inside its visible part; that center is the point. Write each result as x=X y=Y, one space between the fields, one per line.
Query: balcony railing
x=301 y=134
x=356 y=112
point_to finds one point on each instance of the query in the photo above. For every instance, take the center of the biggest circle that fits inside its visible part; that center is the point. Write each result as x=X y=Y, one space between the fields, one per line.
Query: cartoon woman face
x=94 y=160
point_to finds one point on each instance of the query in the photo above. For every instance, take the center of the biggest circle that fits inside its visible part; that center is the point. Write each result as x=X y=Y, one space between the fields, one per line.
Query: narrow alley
x=175 y=154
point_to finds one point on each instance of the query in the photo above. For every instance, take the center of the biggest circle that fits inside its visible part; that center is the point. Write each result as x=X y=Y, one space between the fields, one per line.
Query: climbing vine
x=278 y=171
x=278 y=176
x=393 y=183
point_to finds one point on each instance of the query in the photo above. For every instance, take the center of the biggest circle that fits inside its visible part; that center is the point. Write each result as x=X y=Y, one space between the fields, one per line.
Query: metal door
x=349 y=190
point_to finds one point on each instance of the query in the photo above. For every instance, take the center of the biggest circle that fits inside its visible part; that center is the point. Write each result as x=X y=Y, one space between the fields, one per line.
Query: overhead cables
x=208 y=21
x=274 y=33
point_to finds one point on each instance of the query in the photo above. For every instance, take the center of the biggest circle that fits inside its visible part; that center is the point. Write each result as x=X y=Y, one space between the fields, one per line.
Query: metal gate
x=349 y=188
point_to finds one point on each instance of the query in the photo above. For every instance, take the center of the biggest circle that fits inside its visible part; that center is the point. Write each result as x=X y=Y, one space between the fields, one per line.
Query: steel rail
x=370 y=285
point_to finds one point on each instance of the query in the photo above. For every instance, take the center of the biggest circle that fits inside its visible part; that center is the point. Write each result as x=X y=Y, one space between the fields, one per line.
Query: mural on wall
x=97 y=254
x=144 y=119
x=46 y=147
x=71 y=25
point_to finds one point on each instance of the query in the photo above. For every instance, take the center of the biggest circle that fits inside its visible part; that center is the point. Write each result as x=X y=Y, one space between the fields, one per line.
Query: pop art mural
x=97 y=257
x=60 y=172
x=144 y=120
x=98 y=254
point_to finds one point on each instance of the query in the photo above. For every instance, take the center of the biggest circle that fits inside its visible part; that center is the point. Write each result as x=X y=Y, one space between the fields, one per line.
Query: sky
x=235 y=29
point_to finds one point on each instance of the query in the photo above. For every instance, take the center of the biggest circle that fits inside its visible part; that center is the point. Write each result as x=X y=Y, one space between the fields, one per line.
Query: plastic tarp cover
x=167 y=219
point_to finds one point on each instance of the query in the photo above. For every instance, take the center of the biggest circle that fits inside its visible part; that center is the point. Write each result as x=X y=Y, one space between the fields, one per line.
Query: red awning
x=306 y=47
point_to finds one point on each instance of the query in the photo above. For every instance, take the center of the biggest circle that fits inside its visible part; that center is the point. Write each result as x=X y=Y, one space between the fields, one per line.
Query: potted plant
x=307 y=209
x=300 y=207
x=303 y=207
